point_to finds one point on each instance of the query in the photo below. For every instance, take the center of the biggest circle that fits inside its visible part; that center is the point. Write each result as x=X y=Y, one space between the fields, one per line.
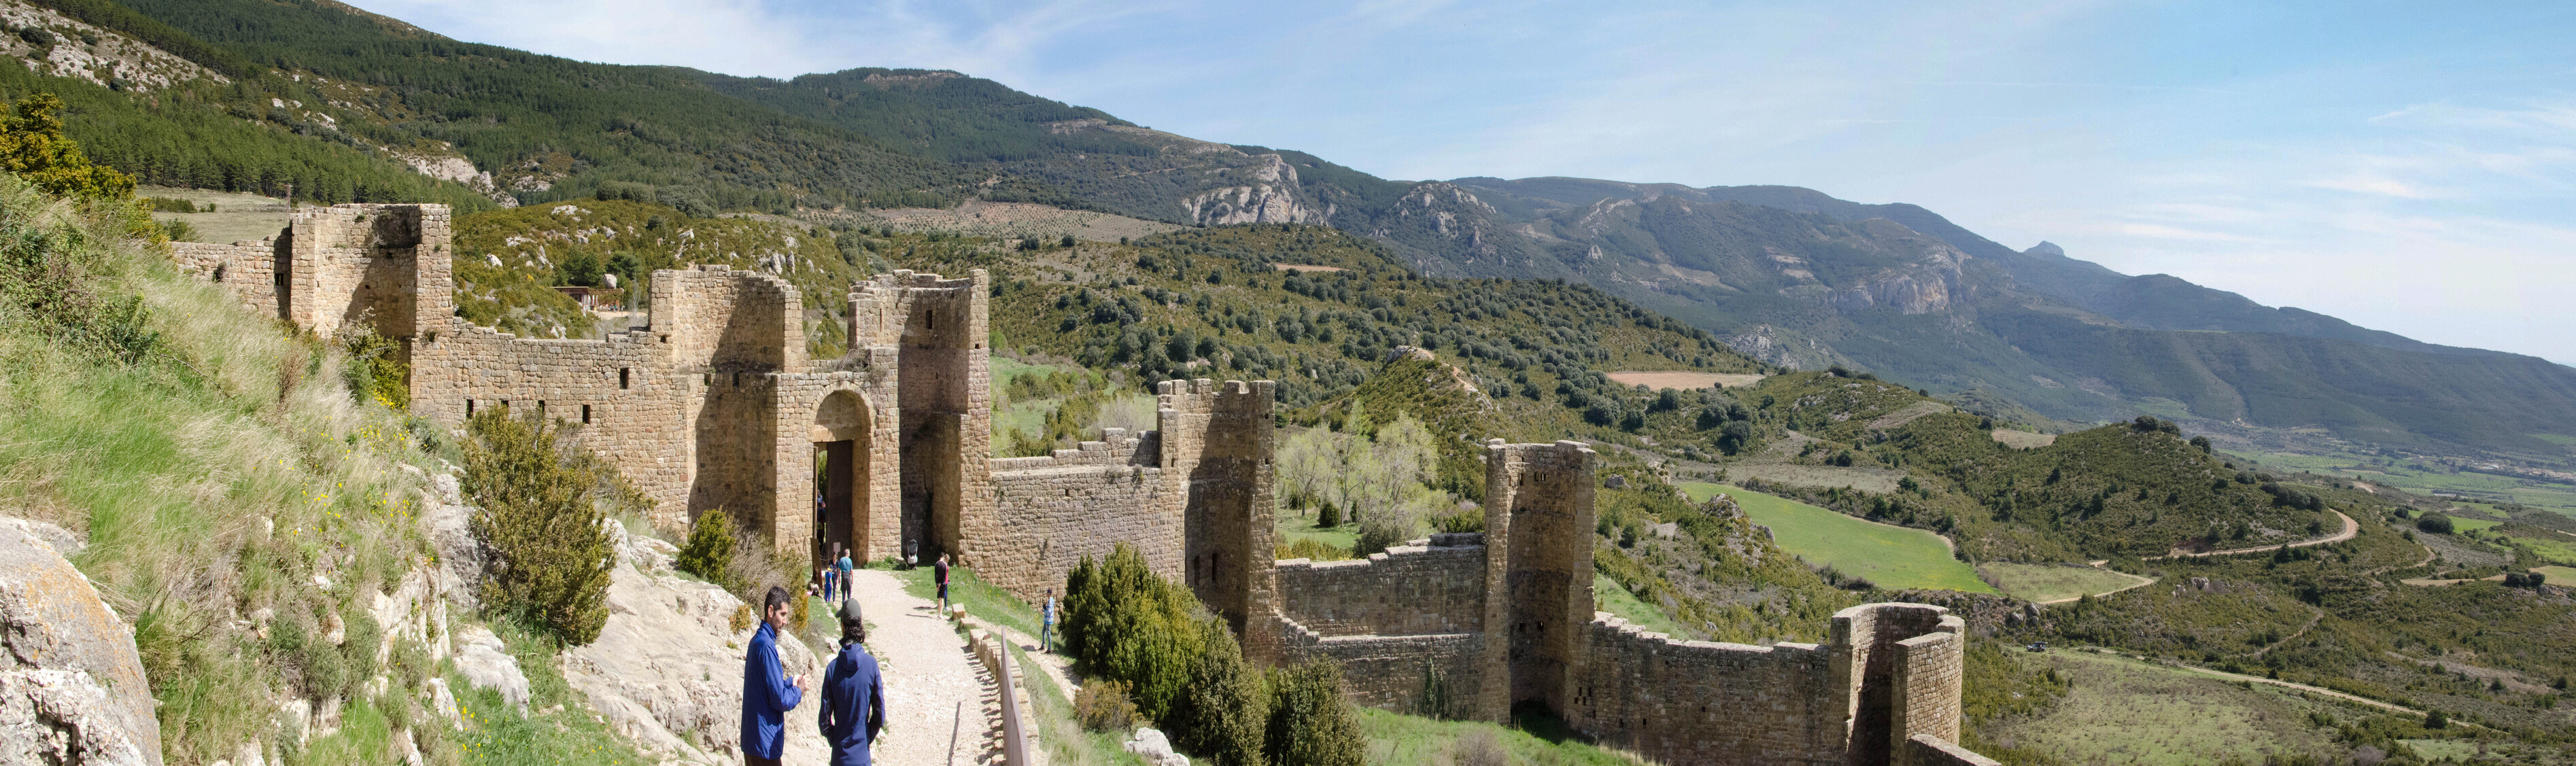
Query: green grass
x=2402 y=475
x=982 y=599
x=2472 y=525
x=1293 y=527
x=1892 y=557
x=2558 y=548
x=2483 y=509
x=2558 y=575
x=2557 y=439
x=1701 y=491
x=2121 y=711
x=1398 y=738
x=1607 y=596
x=2050 y=582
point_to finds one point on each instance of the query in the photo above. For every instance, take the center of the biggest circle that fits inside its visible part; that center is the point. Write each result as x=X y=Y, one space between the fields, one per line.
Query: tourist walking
x=1046 y=629
x=845 y=566
x=767 y=691
x=826 y=575
x=853 y=708
x=939 y=573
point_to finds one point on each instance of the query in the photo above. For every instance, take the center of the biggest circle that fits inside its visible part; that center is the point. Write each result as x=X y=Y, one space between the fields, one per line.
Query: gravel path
x=2350 y=528
x=940 y=704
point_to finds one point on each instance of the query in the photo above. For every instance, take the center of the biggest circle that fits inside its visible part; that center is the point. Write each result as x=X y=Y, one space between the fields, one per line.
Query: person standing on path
x=1046 y=629
x=767 y=691
x=939 y=573
x=845 y=565
x=825 y=574
x=853 y=694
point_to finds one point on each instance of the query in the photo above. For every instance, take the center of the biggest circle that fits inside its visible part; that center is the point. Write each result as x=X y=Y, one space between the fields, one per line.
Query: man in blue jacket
x=767 y=691
x=853 y=694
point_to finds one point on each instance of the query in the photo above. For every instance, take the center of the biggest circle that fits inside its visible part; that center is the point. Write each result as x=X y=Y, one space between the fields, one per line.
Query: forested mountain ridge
x=1791 y=275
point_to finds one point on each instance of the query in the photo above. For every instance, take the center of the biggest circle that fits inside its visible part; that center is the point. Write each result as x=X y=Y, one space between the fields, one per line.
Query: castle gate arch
x=840 y=435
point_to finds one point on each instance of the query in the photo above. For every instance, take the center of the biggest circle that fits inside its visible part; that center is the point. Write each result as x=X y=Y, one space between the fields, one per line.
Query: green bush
x=539 y=524
x=1310 y=723
x=2434 y=523
x=374 y=370
x=1224 y=714
x=1103 y=706
x=709 y=551
x=1126 y=624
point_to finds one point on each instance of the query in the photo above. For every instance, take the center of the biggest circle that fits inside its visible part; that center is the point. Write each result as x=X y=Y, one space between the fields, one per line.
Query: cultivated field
x=2425 y=479
x=2024 y=439
x=2464 y=524
x=2052 y=582
x=1879 y=480
x=1685 y=380
x=1892 y=557
x=237 y=216
x=1019 y=219
x=2127 y=712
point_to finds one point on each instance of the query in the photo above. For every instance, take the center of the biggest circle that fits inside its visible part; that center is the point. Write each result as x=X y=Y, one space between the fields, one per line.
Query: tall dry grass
x=212 y=478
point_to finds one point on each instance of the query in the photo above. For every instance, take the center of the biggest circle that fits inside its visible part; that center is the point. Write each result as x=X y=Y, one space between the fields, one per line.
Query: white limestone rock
x=481 y=659
x=1154 y=749
x=666 y=670
x=72 y=688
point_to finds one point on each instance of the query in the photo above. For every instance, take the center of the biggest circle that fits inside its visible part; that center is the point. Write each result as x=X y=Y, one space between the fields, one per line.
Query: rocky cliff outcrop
x=667 y=668
x=71 y=684
x=1270 y=198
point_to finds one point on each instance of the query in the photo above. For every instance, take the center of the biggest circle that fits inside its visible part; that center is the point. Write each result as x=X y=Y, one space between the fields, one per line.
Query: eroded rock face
x=71 y=685
x=482 y=660
x=667 y=668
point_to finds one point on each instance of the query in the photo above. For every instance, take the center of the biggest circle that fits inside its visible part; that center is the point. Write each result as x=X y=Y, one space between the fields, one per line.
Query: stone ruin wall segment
x=1500 y=617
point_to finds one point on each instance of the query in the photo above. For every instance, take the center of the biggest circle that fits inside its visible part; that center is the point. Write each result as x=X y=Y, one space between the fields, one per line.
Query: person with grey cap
x=853 y=694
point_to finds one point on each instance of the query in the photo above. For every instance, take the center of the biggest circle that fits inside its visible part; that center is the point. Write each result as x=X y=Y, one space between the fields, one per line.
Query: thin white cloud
x=2373 y=184
x=2159 y=231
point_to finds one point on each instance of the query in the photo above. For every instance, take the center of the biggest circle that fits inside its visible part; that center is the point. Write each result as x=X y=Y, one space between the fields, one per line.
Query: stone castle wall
x=1671 y=700
x=716 y=404
x=1053 y=511
x=1432 y=673
x=1408 y=590
x=248 y=269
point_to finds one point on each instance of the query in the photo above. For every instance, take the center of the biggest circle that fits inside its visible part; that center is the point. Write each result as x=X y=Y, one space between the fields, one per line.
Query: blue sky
x=2408 y=167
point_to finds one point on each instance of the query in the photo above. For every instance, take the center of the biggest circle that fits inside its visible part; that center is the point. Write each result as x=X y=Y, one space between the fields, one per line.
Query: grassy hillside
x=2135 y=489
x=237 y=501
x=1886 y=556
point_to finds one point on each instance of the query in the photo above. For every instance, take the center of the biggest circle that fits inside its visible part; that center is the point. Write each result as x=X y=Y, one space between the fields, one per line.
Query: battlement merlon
x=723 y=318
x=905 y=307
x=1201 y=419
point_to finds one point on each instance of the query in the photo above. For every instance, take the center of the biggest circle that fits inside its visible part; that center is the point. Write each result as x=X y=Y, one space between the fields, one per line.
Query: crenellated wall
x=1703 y=702
x=1050 y=512
x=1407 y=590
x=886 y=450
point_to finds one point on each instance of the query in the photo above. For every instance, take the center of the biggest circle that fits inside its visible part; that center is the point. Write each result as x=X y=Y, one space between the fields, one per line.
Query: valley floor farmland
x=2427 y=477
x=2128 y=712
x=2046 y=583
x=1891 y=556
x=1685 y=380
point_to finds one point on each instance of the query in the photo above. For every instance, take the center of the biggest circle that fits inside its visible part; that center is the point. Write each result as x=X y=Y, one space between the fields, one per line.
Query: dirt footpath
x=940 y=704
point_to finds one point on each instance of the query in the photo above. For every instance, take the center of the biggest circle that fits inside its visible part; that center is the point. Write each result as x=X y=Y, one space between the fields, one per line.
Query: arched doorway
x=840 y=437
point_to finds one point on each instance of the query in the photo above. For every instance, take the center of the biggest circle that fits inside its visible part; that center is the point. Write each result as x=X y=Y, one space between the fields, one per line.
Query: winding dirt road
x=2350 y=528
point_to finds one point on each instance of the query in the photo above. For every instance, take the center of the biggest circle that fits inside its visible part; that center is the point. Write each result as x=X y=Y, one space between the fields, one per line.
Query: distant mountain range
x=1793 y=276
